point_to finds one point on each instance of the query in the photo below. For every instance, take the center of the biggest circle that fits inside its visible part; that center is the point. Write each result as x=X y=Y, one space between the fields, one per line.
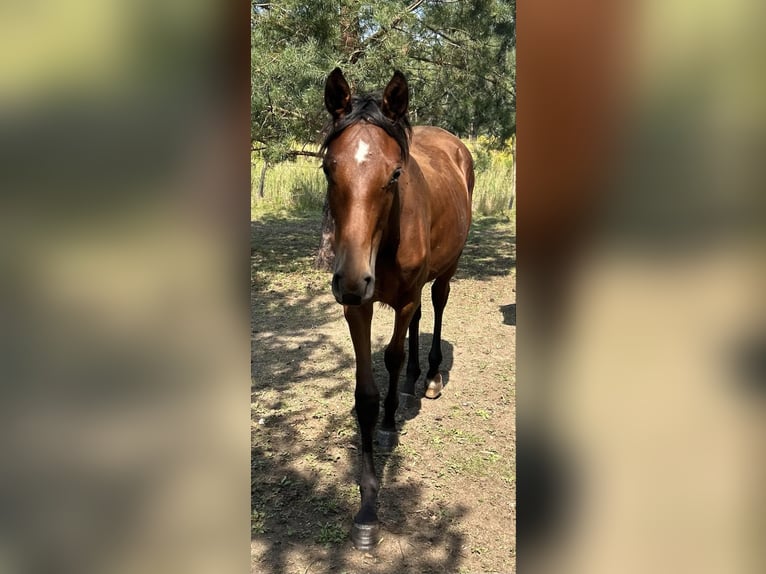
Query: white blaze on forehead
x=361 y=151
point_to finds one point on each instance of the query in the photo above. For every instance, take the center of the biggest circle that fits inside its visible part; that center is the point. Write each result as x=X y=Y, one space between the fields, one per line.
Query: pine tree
x=459 y=58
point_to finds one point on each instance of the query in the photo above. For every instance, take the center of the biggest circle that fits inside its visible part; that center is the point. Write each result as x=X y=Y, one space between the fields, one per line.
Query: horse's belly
x=448 y=237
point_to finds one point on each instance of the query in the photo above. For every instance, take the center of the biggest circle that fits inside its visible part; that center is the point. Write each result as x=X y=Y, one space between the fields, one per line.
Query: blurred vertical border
x=124 y=201
x=641 y=344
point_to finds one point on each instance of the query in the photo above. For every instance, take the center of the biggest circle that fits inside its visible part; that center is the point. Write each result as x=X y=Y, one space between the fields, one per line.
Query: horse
x=400 y=198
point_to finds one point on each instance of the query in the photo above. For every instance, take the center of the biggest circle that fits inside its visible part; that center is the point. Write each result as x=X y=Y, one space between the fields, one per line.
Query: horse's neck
x=416 y=198
x=411 y=202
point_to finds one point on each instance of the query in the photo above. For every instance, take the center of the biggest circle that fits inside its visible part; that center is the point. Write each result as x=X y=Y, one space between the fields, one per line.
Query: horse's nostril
x=368 y=279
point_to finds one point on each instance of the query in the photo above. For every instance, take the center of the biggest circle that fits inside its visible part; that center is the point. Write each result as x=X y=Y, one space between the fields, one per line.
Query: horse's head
x=365 y=153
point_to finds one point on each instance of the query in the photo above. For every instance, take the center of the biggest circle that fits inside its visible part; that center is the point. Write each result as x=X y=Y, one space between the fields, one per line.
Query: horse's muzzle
x=352 y=291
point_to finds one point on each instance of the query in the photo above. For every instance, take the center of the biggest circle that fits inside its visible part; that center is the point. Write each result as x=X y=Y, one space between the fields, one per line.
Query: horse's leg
x=394 y=357
x=367 y=399
x=407 y=395
x=439 y=295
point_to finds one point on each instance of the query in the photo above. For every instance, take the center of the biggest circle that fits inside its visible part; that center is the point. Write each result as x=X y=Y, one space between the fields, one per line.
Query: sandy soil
x=447 y=500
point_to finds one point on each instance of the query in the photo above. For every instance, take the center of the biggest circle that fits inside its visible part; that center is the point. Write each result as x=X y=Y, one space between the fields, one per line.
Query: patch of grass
x=407 y=451
x=257 y=522
x=464 y=437
x=491 y=456
x=290 y=187
x=436 y=442
x=484 y=414
x=509 y=478
x=349 y=493
x=494 y=176
x=492 y=191
x=325 y=506
x=330 y=533
x=480 y=464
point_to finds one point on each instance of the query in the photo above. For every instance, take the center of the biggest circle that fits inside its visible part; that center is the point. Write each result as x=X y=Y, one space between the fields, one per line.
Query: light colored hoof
x=365 y=537
x=434 y=387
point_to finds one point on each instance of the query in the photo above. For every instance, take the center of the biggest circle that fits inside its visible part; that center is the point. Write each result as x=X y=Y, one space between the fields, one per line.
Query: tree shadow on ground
x=490 y=250
x=381 y=374
x=304 y=447
x=285 y=244
x=289 y=244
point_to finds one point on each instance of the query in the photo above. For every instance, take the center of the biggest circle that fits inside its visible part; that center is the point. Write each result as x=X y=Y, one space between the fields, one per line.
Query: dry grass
x=299 y=186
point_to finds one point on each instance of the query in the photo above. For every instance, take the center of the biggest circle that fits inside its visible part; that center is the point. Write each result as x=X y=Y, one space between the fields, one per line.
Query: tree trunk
x=263 y=179
x=325 y=258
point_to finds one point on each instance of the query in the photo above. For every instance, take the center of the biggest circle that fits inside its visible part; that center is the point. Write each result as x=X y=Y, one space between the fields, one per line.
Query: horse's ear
x=337 y=95
x=396 y=97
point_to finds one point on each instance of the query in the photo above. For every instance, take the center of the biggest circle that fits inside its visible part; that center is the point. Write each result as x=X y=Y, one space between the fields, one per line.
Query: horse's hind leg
x=439 y=295
x=394 y=357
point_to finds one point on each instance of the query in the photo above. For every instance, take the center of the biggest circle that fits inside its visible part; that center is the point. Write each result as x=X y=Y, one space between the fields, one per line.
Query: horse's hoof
x=407 y=401
x=434 y=387
x=365 y=537
x=387 y=440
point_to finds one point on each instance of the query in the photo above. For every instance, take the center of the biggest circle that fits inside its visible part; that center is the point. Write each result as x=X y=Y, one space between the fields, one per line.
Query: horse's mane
x=367 y=108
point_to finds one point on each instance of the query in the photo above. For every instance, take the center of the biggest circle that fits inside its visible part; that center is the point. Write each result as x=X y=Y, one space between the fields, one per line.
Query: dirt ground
x=447 y=499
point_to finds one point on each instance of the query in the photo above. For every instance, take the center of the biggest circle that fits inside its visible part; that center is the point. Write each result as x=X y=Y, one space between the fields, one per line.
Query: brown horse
x=401 y=202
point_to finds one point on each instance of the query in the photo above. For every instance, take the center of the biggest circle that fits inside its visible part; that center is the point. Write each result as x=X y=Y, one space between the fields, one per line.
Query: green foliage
x=257 y=522
x=330 y=533
x=459 y=57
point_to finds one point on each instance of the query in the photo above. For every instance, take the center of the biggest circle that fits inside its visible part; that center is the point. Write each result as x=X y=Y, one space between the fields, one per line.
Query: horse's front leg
x=367 y=399
x=407 y=397
x=394 y=357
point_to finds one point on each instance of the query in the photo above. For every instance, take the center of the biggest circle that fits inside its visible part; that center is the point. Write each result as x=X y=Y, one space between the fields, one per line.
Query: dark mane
x=367 y=108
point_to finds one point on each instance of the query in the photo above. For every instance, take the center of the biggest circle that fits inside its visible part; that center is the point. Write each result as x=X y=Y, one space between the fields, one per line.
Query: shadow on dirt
x=289 y=244
x=304 y=450
x=284 y=244
x=381 y=375
x=509 y=314
x=490 y=250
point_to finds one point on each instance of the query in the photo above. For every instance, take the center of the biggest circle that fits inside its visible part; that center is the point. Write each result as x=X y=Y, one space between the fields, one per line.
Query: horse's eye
x=395 y=175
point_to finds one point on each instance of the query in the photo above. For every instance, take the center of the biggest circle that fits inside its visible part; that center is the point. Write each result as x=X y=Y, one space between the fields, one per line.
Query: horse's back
x=440 y=150
x=447 y=167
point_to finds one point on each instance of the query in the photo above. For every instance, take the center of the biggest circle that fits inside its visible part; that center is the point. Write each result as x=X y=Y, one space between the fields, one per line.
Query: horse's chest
x=395 y=283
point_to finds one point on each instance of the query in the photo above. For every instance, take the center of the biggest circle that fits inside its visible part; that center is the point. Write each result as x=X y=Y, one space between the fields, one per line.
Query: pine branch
x=443 y=35
x=290 y=153
x=378 y=36
x=492 y=81
x=294 y=153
